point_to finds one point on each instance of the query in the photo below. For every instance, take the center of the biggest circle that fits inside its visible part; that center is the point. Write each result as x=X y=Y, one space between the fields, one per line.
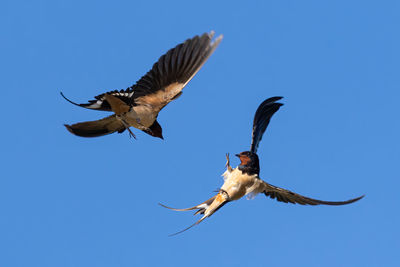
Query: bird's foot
x=131 y=134
x=227 y=165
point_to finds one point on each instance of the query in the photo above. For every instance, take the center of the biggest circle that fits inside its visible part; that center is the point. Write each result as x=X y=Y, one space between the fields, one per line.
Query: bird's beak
x=237 y=155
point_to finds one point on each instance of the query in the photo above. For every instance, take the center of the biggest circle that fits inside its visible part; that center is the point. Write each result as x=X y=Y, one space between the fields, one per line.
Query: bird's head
x=249 y=162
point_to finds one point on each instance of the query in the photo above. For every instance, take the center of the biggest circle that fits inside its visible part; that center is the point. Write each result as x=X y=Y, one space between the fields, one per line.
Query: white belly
x=238 y=184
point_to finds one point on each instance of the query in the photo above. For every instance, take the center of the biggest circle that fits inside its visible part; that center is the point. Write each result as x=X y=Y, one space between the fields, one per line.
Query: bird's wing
x=101 y=127
x=261 y=120
x=287 y=196
x=165 y=81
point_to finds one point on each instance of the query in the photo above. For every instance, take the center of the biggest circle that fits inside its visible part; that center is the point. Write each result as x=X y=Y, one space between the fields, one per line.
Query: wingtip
x=69 y=128
x=271 y=101
x=275 y=98
x=343 y=202
x=217 y=40
x=352 y=200
x=358 y=198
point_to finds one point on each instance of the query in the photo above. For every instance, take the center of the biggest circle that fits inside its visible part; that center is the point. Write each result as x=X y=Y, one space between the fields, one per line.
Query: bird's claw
x=227 y=165
x=131 y=134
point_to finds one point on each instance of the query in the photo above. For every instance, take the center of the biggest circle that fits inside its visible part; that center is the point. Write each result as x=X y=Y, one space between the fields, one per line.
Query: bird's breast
x=237 y=184
x=140 y=117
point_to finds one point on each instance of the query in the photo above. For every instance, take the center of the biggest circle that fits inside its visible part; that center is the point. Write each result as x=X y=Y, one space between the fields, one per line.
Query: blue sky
x=70 y=201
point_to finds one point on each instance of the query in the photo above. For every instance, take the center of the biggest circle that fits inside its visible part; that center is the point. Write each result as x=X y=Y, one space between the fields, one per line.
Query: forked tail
x=207 y=208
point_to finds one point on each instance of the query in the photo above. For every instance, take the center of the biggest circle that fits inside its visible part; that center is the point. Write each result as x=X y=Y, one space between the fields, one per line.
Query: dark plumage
x=261 y=120
x=249 y=163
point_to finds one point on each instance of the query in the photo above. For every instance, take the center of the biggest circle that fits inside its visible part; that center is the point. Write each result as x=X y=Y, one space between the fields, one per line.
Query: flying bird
x=138 y=106
x=245 y=180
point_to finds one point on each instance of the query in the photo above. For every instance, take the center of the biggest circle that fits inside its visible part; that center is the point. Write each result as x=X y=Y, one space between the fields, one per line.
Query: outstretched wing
x=101 y=127
x=287 y=196
x=165 y=81
x=261 y=120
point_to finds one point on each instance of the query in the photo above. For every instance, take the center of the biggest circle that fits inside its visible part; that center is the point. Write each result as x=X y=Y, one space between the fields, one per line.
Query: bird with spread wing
x=244 y=179
x=138 y=106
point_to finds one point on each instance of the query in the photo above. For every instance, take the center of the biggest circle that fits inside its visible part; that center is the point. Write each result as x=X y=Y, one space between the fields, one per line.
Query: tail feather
x=262 y=118
x=207 y=208
x=187 y=228
x=101 y=102
x=97 y=104
x=201 y=207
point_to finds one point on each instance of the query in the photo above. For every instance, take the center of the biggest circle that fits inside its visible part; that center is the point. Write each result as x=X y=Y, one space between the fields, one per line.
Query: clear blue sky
x=70 y=201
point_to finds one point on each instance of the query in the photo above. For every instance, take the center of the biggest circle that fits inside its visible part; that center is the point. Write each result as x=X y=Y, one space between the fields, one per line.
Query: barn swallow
x=138 y=106
x=245 y=180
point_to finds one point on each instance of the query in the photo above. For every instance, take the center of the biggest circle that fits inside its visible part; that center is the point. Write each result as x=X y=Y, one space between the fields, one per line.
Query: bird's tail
x=207 y=208
x=101 y=127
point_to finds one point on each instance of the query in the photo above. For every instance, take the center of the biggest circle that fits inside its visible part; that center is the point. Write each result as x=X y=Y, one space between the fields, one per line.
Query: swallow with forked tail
x=138 y=106
x=244 y=179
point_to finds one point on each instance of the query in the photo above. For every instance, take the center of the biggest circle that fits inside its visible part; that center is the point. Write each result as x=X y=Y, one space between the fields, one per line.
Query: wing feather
x=177 y=66
x=262 y=118
x=287 y=196
x=101 y=127
x=173 y=71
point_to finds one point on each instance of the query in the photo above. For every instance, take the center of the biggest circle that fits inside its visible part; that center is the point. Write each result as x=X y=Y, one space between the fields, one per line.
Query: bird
x=245 y=180
x=139 y=105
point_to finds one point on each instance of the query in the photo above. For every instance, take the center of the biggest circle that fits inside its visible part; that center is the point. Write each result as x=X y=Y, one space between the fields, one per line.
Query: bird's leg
x=131 y=134
x=227 y=165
